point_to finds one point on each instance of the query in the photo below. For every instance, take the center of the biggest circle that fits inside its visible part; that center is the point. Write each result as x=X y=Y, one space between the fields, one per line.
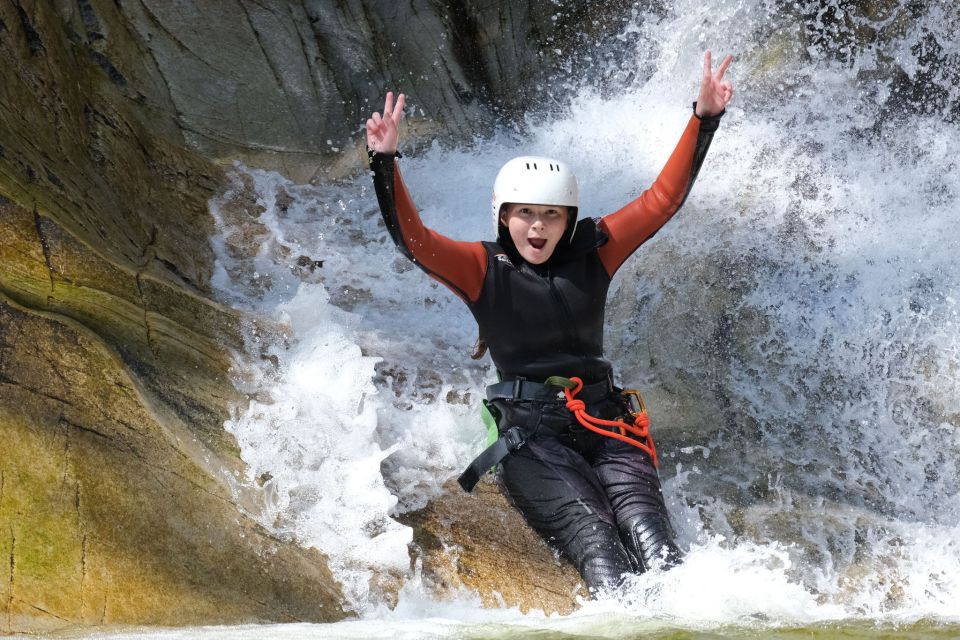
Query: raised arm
x=639 y=220
x=461 y=266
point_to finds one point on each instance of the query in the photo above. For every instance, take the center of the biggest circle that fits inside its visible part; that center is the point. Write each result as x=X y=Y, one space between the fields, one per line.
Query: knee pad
x=599 y=556
x=648 y=538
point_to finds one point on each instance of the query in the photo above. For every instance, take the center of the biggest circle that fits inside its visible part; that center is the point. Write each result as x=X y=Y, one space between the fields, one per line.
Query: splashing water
x=795 y=328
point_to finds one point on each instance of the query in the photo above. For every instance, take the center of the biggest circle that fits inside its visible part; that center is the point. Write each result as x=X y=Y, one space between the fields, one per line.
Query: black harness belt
x=521 y=389
x=513 y=438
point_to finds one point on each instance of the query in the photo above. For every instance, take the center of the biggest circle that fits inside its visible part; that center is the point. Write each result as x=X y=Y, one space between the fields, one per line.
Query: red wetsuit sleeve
x=461 y=266
x=635 y=223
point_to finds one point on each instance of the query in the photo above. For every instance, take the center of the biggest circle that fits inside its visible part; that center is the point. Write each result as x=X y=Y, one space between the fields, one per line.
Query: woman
x=538 y=295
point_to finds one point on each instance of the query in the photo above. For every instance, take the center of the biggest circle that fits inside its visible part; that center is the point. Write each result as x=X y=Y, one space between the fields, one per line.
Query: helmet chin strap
x=572 y=224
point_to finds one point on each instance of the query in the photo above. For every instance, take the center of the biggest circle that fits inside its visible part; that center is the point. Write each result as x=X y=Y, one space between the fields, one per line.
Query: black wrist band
x=371 y=153
x=707 y=118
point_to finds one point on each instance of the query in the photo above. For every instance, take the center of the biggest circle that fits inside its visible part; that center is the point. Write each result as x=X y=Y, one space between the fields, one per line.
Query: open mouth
x=537 y=243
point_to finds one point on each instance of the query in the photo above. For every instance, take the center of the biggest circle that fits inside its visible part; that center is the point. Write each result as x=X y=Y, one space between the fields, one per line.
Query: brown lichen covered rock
x=117 y=503
x=109 y=515
x=480 y=542
x=176 y=341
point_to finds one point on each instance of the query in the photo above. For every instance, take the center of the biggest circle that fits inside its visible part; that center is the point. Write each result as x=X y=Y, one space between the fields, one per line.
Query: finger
x=388 y=105
x=376 y=119
x=398 y=110
x=707 y=65
x=723 y=66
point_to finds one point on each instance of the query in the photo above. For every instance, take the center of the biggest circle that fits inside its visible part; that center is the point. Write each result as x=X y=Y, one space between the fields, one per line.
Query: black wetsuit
x=595 y=498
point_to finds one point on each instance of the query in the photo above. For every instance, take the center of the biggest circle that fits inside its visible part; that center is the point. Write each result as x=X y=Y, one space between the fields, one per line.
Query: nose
x=541 y=218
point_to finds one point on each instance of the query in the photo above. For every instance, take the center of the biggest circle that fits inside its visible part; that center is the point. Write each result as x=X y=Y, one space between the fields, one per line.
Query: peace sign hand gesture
x=715 y=92
x=383 y=133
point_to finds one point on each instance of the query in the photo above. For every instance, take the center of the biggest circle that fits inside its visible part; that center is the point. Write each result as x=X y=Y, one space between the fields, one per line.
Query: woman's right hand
x=383 y=132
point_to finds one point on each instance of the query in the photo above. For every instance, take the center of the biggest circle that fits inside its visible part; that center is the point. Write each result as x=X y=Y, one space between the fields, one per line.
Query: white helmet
x=535 y=180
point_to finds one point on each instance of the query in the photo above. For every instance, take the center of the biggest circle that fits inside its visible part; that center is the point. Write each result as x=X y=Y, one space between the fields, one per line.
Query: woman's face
x=535 y=229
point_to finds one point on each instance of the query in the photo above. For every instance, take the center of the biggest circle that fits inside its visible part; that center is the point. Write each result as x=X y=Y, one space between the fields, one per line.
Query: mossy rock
x=479 y=541
x=109 y=515
x=176 y=341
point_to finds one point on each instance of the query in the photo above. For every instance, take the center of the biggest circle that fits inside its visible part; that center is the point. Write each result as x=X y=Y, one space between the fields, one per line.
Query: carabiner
x=634 y=401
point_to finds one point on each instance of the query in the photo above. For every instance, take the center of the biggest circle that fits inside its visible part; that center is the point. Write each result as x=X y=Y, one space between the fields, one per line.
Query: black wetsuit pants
x=595 y=498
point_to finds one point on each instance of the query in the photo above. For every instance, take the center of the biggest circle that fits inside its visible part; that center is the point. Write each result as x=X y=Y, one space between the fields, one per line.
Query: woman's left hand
x=715 y=92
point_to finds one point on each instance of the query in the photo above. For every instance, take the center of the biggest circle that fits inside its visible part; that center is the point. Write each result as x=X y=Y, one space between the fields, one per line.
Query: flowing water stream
x=795 y=329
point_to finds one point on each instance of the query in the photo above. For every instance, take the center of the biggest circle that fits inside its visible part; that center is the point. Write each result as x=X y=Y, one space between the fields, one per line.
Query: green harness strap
x=490 y=422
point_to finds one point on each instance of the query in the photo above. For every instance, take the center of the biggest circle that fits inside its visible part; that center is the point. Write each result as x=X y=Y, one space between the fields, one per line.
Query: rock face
x=107 y=224
x=117 y=500
x=479 y=541
x=286 y=84
x=111 y=515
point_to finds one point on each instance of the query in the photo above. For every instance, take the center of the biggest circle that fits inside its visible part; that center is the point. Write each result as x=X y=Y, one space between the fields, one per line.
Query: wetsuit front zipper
x=568 y=325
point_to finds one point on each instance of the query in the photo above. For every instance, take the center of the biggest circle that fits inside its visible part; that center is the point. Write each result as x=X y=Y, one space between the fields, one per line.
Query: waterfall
x=794 y=327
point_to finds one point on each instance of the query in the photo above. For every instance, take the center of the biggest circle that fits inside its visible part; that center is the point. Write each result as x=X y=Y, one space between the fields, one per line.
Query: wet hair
x=479 y=349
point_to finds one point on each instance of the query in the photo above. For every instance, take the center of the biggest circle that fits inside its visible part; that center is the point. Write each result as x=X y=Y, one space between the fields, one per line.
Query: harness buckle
x=508 y=442
x=514 y=438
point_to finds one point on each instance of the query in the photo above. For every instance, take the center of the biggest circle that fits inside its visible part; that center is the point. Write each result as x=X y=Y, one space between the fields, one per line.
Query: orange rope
x=640 y=427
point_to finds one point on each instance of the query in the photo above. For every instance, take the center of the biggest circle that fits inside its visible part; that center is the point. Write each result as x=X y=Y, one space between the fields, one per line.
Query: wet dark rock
x=33 y=40
x=307 y=264
x=285 y=85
